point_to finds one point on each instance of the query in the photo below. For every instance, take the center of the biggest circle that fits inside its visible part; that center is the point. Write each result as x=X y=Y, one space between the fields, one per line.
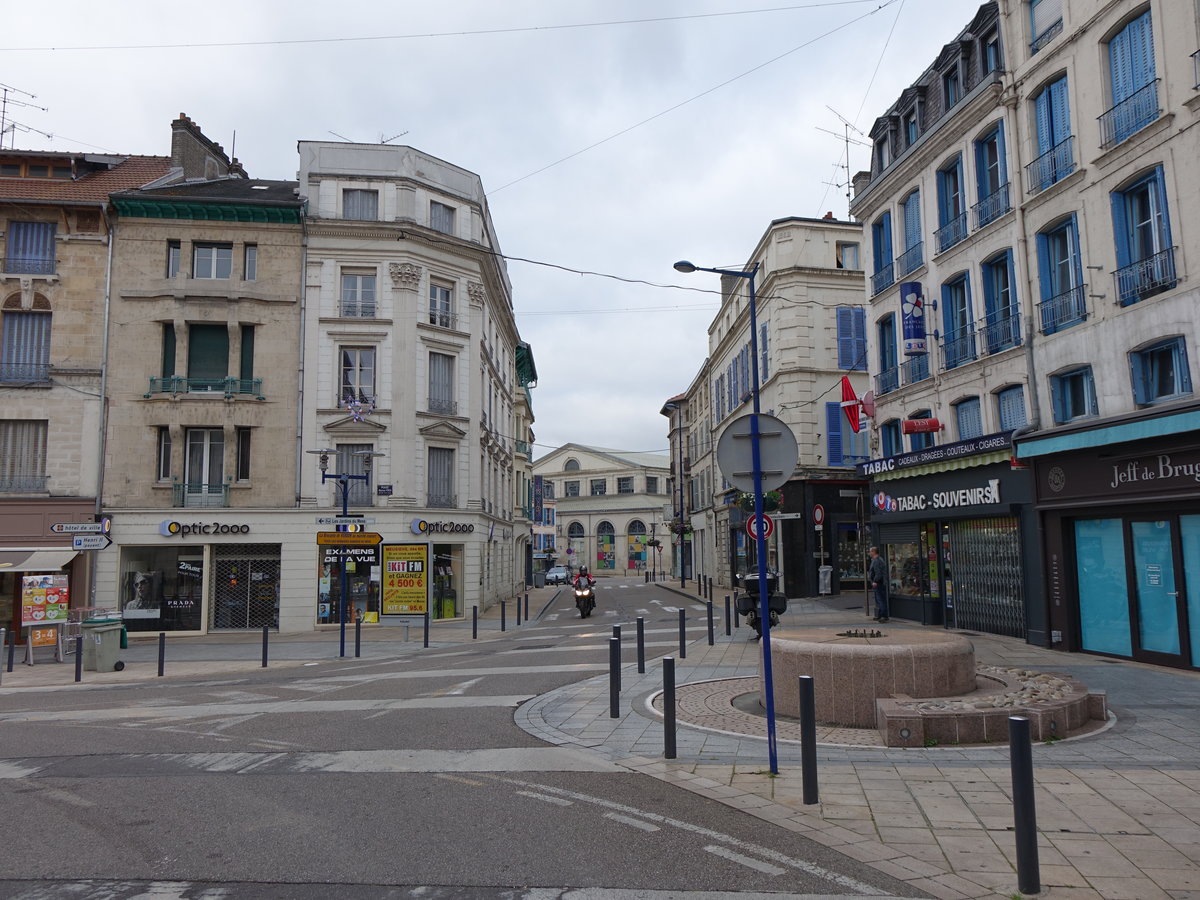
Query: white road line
x=460 y=688
x=558 y=801
x=629 y=820
x=750 y=863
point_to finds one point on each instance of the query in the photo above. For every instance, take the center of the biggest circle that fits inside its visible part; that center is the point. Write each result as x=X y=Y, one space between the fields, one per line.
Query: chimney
x=200 y=158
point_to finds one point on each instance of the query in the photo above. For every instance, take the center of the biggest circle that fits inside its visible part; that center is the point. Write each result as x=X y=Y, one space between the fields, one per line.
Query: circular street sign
x=818 y=514
x=777 y=453
x=768 y=526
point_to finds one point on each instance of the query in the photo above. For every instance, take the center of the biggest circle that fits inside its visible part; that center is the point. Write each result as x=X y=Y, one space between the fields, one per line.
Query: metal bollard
x=641 y=645
x=647 y=577
x=2 y=634
x=527 y=607
x=266 y=631
x=474 y=623
x=728 y=620
x=682 y=635
x=617 y=635
x=503 y=615
x=12 y=649
x=426 y=639
x=709 y=587
x=1020 y=754
x=162 y=653
x=614 y=678
x=518 y=612
x=808 y=739
x=668 y=708
x=711 y=634
x=79 y=659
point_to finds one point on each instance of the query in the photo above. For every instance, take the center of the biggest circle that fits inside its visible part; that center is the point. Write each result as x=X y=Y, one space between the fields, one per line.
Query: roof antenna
x=847 y=127
x=14 y=126
x=343 y=137
x=384 y=140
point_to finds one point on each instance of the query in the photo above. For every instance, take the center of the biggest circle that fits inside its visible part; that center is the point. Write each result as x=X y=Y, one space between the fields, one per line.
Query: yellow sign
x=44 y=637
x=348 y=538
x=405 y=577
x=44 y=598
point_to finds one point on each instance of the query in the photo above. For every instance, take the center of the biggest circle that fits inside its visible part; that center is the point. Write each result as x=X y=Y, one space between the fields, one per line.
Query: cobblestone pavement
x=1118 y=811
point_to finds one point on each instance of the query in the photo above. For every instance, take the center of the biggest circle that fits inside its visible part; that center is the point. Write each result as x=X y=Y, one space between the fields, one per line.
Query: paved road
x=391 y=775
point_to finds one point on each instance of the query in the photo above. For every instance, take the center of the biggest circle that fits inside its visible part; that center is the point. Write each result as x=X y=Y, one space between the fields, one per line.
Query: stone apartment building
x=1033 y=475
x=811 y=335
x=56 y=233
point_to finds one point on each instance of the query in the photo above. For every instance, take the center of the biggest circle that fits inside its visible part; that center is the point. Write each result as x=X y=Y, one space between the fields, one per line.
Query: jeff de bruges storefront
x=957 y=527
x=1120 y=505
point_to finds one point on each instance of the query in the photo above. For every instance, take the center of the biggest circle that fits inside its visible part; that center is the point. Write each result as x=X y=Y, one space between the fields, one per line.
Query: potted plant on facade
x=771 y=501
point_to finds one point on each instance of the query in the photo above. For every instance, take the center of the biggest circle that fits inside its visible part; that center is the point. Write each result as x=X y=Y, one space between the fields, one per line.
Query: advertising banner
x=44 y=599
x=405 y=588
x=912 y=317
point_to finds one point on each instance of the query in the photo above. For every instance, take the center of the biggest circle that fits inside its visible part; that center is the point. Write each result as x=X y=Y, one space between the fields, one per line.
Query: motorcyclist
x=584 y=579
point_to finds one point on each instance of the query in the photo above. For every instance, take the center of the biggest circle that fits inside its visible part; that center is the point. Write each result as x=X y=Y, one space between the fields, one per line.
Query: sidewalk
x=1118 y=812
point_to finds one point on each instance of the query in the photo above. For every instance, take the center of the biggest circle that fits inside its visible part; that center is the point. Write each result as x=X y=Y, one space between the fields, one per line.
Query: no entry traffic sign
x=752 y=526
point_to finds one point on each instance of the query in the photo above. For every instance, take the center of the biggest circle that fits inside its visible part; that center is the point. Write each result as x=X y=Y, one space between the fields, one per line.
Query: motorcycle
x=585 y=599
x=749 y=607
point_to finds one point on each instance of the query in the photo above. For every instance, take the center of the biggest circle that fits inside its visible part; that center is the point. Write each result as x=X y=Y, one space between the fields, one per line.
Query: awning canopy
x=35 y=560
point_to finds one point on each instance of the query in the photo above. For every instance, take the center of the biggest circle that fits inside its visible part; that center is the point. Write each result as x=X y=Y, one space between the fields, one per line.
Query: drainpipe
x=300 y=366
x=102 y=441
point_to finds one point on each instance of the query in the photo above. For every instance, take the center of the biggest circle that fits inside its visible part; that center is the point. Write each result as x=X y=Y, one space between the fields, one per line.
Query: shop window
x=1100 y=561
x=969 y=418
x=598 y=487
x=23 y=455
x=213 y=261
x=30 y=249
x=1010 y=404
x=358 y=294
x=161 y=588
x=1073 y=395
x=606 y=546
x=25 y=347
x=1160 y=372
x=852 y=338
x=360 y=204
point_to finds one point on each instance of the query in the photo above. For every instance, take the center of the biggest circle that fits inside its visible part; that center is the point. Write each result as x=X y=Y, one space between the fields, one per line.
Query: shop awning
x=35 y=560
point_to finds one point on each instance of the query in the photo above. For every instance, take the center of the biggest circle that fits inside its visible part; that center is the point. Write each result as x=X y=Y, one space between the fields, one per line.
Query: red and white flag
x=850 y=404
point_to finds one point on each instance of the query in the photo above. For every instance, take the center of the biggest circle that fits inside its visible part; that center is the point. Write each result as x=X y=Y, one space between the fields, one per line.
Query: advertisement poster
x=44 y=599
x=143 y=595
x=405 y=579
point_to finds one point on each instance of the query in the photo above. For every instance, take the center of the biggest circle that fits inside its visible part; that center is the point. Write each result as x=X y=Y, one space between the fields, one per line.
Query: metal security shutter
x=899 y=533
x=989 y=591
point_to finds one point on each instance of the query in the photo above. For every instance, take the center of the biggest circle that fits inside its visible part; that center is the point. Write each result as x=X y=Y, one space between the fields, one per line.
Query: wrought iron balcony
x=1146 y=277
x=224 y=387
x=992 y=207
x=24 y=484
x=1046 y=37
x=24 y=373
x=1129 y=116
x=199 y=495
x=444 y=407
x=958 y=348
x=523 y=447
x=29 y=265
x=1000 y=332
x=358 y=309
x=1067 y=309
x=915 y=368
x=888 y=380
x=1051 y=167
x=911 y=259
x=883 y=279
x=443 y=319
x=953 y=232
x=441 y=501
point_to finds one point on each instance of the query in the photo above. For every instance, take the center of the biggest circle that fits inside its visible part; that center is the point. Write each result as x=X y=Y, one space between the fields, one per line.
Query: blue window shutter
x=947 y=311
x=1121 y=228
x=912 y=220
x=1139 y=372
x=1073 y=238
x=860 y=339
x=1012 y=408
x=1057 y=399
x=887 y=238
x=1141 y=51
x=1041 y=107
x=1160 y=184
x=1000 y=154
x=845 y=338
x=1060 y=112
x=943 y=201
x=833 y=425
x=1045 y=288
x=981 y=184
x=1181 y=366
x=1120 y=64
x=762 y=349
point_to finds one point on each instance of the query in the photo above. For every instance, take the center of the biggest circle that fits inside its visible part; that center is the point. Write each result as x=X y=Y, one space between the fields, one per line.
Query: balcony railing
x=444 y=407
x=888 y=380
x=1146 y=277
x=915 y=368
x=1046 y=37
x=24 y=373
x=958 y=348
x=1131 y=115
x=1067 y=309
x=1000 y=332
x=225 y=387
x=883 y=279
x=23 y=484
x=441 y=501
x=523 y=447
x=911 y=259
x=443 y=319
x=29 y=265
x=199 y=495
x=992 y=207
x=1196 y=70
x=1051 y=167
x=951 y=233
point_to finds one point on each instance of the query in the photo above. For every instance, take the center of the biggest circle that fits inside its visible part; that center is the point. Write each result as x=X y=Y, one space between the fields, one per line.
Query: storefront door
x=246 y=589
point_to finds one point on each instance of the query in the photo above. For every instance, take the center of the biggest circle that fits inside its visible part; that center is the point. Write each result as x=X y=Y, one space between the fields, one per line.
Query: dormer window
x=952 y=86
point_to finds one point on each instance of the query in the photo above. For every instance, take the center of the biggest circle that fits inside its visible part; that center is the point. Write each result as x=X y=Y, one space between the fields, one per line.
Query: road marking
x=459 y=780
x=454 y=690
x=628 y=820
x=559 y=801
x=749 y=862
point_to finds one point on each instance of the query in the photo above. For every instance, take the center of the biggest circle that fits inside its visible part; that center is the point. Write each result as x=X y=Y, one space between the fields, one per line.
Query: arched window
x=575 y=530
x=605 y=528
x=637 y=526
x=606 y=546
x=571 y=465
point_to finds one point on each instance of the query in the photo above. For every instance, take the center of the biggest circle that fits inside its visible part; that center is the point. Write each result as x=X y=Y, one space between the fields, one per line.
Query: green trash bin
x=102 y=645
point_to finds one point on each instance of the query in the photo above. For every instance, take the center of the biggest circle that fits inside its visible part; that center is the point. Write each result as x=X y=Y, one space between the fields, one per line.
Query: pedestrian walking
x=877 y=575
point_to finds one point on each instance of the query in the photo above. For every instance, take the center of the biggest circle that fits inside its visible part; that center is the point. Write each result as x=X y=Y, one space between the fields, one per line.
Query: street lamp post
x=343 y=480
x=760 y=539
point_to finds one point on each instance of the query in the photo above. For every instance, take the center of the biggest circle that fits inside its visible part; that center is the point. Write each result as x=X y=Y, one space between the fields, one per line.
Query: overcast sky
x=613 y=137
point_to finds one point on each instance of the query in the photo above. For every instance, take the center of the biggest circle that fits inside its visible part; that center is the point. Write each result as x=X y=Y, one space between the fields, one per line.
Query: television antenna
x=847 y=127
x=384 y=140
x=14 y=126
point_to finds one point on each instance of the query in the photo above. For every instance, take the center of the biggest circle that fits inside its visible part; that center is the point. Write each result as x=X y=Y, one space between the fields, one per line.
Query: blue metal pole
x=344 y=484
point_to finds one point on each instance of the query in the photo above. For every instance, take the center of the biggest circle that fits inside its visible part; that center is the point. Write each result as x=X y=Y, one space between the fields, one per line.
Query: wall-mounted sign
x=44 y=599
x=404 y=587
x=912 y=318
x=986 y=444
x=985 y=494
x=366 y=555
x=383 y=490
x=920 y=426
x=424 y=526
x=172 y=528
